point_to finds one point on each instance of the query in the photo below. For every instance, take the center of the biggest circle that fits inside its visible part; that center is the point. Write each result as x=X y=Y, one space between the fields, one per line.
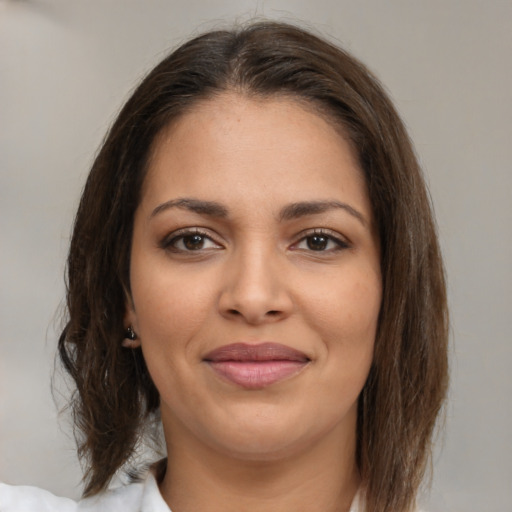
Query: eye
x=321 y=241
x=189 y=241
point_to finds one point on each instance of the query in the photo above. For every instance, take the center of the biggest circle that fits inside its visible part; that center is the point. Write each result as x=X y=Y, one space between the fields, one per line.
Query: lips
x=256 y=366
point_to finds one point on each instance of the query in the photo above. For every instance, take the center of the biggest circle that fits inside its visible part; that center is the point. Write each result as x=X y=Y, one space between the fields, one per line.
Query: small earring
x=130 y=338
x=130 y=334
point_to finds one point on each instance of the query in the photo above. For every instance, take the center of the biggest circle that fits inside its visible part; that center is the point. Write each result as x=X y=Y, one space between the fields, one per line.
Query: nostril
x=272 y=313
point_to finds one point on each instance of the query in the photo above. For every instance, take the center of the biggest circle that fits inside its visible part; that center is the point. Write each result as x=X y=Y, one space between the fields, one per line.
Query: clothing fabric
x=136 y=497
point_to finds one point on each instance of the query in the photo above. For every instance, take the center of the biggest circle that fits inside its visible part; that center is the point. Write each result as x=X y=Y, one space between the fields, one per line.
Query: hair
x=405 y=390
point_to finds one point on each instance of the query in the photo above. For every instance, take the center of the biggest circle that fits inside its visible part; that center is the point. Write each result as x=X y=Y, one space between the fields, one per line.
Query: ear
x=130 y=323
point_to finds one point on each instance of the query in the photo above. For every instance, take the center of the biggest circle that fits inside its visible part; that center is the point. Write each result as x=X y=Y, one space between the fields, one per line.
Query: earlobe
x=131 y=340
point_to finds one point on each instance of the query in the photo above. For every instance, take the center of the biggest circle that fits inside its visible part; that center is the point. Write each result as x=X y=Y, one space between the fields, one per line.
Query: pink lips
x=256 y=366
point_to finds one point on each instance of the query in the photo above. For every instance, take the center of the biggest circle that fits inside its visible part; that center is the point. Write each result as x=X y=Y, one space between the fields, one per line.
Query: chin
x=264 y=439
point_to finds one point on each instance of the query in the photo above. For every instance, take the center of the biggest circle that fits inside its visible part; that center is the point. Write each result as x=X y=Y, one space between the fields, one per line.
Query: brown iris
x=317 y=242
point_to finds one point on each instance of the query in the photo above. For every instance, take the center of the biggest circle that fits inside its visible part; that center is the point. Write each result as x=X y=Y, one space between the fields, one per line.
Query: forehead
x=256 y=148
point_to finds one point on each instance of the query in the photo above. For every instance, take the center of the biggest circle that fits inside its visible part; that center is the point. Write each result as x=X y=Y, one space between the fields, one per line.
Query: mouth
x=256 y=366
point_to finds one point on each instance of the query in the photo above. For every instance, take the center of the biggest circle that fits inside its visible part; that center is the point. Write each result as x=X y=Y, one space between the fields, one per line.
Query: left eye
x=320 y=242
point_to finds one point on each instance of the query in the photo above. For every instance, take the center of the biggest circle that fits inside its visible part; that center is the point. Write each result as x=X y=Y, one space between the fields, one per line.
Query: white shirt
x=136 y=497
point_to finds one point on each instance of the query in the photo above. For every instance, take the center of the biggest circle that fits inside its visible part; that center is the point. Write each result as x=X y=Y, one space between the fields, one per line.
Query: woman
x=255 y=262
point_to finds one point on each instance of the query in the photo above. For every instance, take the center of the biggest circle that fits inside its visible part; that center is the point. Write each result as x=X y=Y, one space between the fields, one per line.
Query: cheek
x=343 y=314
x=171 y=312
x=171 y=303
x=347 y=309
x=345 y=317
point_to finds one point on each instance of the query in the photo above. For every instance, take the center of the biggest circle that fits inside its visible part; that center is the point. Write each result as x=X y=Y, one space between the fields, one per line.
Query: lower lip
x=257 y=374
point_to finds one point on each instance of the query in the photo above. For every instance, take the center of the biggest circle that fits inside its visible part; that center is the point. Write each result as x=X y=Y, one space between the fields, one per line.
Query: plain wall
x=67 y=65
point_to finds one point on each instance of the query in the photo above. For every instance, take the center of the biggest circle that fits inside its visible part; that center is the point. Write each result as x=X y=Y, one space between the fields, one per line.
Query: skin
x=254 y=275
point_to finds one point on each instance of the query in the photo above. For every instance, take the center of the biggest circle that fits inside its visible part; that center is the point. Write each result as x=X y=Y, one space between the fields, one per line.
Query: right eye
x=189 y=241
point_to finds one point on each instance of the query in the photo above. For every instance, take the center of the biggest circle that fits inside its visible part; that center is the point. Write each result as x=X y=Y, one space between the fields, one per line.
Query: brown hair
x=401 y=399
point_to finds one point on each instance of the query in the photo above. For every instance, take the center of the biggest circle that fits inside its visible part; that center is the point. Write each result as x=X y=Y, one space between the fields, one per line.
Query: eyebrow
x=289 y=212
x=301 y=209
x=210 y=208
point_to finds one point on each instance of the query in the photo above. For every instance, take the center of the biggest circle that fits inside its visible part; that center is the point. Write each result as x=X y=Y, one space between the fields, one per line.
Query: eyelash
x=170 y=242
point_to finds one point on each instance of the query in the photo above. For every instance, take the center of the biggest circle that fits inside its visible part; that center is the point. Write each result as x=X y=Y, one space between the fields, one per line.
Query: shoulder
x=142 y=496
x=23 y=498
x=127 y=498
x=136 y=497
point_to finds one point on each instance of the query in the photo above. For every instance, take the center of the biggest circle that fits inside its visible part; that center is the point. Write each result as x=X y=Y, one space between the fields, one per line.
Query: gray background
x=67 y=65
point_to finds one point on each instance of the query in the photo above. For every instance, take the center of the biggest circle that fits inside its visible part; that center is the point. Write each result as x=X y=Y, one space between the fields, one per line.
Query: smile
x=256 y=366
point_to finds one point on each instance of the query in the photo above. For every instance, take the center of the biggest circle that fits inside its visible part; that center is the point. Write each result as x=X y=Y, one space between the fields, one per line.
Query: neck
x=322 y=478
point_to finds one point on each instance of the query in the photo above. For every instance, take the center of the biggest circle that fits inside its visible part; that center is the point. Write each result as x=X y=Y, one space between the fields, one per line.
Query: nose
x=255 y=288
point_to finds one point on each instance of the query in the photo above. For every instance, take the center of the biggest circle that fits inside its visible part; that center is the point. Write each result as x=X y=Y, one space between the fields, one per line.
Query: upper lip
x=255 y=352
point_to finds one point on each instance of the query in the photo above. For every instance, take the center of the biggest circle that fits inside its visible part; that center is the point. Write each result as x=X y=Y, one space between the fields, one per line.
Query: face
x=255 y=278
